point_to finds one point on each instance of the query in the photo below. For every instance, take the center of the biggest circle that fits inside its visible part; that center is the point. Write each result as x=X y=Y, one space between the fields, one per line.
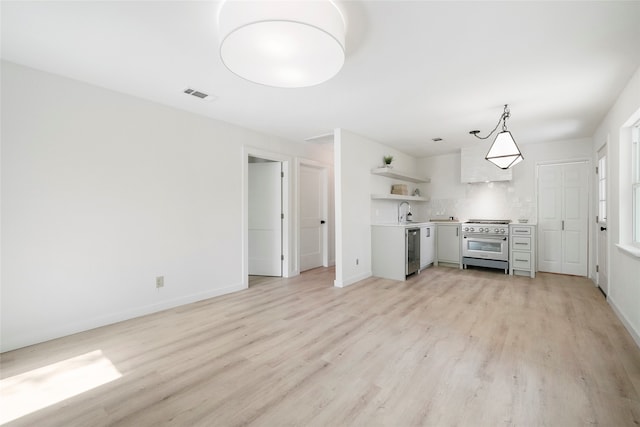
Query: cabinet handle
x=518 y=243
x=457 y=231
x=522 y=260
x=563 y=224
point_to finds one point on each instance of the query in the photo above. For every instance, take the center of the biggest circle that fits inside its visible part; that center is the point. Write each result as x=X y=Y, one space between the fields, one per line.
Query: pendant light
x=282 y=43
x=504 y=151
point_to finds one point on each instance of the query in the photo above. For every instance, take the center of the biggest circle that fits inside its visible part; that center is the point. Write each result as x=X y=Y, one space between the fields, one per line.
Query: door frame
x=603 y=148
x=286 y=161
x=590 y=216
x=325 y=208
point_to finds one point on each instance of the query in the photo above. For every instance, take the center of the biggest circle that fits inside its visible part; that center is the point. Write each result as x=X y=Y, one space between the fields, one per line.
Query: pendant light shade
x=504 y=152
x=287 y=44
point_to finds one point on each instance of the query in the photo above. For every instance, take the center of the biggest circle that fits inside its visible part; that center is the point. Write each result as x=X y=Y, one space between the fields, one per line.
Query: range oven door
x=486 y=247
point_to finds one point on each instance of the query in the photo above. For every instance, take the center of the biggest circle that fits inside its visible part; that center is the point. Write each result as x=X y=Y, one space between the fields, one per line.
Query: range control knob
x=466 y=229
x=497 y=230
x=502 y=230
x=471 y=229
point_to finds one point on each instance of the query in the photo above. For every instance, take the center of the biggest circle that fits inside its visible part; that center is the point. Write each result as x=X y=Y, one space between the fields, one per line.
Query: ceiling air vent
x=199 y=94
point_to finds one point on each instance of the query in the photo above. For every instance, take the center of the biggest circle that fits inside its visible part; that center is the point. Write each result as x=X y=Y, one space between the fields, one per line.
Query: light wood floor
x=448 y=347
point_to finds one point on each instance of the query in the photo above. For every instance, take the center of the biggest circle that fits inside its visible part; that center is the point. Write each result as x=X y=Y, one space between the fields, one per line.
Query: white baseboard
x=58 y=331
x=351 y=280
x=634 y=334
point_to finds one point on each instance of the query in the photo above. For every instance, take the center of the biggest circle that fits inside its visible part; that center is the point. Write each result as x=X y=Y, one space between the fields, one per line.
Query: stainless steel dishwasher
x=412 y=251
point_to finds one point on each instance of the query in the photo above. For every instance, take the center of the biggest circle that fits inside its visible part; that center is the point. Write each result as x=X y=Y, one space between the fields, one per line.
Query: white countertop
x=404 y=225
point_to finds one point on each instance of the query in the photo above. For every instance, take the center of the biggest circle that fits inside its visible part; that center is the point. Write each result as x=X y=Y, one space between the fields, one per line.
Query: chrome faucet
x=407 y=215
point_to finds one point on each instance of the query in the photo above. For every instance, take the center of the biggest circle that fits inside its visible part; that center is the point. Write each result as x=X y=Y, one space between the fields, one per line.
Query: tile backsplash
x=493 y=200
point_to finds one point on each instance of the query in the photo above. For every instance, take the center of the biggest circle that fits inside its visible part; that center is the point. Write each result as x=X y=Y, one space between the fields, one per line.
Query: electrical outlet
x=160 y=282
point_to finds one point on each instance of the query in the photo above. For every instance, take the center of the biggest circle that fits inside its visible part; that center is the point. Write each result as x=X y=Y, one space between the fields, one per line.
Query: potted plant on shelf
x=387 y=161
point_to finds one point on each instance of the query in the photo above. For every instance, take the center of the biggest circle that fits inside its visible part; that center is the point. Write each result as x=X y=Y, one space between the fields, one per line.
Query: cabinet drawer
x=519 y=243
x=521 y=260
x=518 y=231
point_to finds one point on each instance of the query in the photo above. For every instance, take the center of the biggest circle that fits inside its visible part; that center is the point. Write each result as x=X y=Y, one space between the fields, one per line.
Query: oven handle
x=487 y=239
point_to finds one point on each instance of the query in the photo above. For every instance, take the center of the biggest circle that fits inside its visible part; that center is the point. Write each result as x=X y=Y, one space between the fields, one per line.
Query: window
x=635 y=183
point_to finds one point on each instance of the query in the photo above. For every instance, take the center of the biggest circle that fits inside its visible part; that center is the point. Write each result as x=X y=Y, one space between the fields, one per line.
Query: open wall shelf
x=391 y=173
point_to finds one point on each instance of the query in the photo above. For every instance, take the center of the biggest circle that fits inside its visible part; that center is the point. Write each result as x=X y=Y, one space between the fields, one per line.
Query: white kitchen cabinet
x=448 y=244
x=388 y=252
x=475 y=168
x=522 y=254
x=427 y=245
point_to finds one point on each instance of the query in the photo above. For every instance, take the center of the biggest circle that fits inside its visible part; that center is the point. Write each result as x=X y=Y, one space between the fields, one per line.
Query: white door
x=550 y=218
x=563 y=218
x=312 y=216
x=602 y=242
x=265 y=219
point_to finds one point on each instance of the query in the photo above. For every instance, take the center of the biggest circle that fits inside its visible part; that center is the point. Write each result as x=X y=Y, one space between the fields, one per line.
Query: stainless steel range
x=485 y=243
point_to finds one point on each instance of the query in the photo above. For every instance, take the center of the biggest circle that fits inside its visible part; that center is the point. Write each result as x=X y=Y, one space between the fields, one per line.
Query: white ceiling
x=414 y=70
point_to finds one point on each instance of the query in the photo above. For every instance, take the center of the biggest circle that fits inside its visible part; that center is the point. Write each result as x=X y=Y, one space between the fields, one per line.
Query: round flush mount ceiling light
x=282 y=43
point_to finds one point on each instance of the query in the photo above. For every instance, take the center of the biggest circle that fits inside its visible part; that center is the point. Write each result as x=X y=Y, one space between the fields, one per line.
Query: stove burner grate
x=488 y=221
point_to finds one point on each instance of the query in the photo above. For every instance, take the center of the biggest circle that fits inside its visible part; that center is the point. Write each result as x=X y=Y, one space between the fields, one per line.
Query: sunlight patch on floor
x=31 y=391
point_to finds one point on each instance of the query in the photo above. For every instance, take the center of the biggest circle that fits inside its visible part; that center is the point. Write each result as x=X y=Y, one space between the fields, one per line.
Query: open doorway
x=265 y=217
x=266 y=220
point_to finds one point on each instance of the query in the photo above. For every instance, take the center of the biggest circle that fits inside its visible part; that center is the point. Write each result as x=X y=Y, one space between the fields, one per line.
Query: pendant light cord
x=503 y=118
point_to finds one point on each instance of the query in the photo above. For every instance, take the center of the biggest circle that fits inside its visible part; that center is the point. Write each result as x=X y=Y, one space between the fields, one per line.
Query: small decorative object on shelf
x=416 y=192
x=400 y=189
x=387 y=161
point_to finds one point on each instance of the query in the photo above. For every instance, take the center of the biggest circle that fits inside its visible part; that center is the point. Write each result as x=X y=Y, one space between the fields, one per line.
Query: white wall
x=355 y=156
x=513 y=199
x=102 y=192
x=624 y=268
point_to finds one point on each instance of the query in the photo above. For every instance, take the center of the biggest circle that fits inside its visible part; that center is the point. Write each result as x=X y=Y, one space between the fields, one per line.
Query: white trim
x=287 y=249
x=351 y=280
x=603 y=151
x=590 y=216
x=634 y=334
x=629 y=249
x=57 y=331
x=325 y=207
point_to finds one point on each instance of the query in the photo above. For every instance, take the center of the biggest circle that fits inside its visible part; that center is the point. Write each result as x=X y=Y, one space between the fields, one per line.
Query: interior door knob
x=322 y=221
x=603 y=228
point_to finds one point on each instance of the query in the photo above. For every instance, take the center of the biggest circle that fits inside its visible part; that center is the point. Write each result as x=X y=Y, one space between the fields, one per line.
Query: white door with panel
x=265 y=219
x=312 y=216
x=601 y=226
x=563 y=218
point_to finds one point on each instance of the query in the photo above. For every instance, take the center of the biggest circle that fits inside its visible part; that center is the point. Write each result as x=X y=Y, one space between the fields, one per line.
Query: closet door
x=550 y=218
x=563 y=218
